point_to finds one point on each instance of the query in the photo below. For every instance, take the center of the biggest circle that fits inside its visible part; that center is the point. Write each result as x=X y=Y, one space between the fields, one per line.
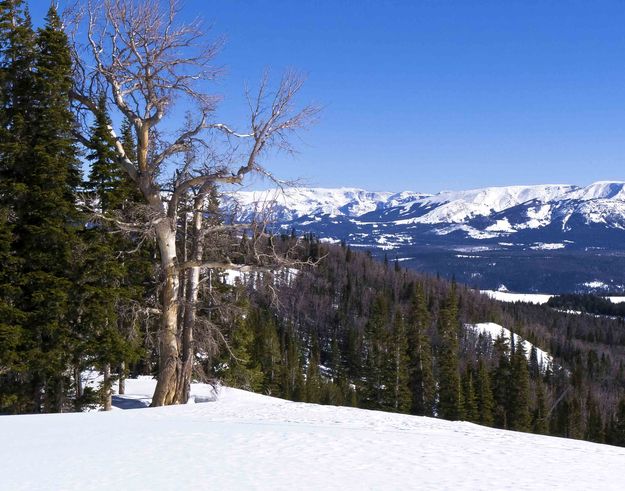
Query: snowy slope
x=250 y=441
x=292 y=203
x=545 y=360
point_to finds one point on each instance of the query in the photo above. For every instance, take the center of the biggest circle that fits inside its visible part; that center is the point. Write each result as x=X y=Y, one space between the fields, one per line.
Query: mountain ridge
x=533 y=206
x=565 y=236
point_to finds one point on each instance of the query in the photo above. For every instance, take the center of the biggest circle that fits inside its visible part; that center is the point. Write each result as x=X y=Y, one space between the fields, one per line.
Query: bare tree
x=146 y=61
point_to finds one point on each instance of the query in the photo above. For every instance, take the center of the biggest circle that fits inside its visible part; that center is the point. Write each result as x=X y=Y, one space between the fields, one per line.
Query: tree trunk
x=169 y=356
x=106 y=388
x=78 y=381
x=191 y=296
x=121 y=390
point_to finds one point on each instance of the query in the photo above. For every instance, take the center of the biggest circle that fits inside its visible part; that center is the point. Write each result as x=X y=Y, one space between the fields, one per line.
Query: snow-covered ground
x=495 y=330
x=536 y=298
x=249 y=441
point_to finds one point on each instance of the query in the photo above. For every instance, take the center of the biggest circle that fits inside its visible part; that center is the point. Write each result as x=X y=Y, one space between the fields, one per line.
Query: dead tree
x=146 y=61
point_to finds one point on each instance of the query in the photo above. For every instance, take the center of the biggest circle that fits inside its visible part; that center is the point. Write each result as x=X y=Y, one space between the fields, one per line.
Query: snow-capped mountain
x=480 y=213
x=293 y=203
x=537 y=221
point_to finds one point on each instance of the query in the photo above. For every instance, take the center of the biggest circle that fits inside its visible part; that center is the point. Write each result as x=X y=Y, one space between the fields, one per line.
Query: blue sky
x=432 y=95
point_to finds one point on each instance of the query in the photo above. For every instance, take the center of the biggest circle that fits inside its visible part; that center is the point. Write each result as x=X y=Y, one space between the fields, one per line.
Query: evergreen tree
x=420 y=355
x=518 y=403
x=378 y=383
x=594 y=423
x=534 y=367
x=501 y=382
x=539 y=416
x=450 y=395
x=266 y=348
x=617 y=433
x=470 y=407
x=235 y=367
x=402 y=398
x=46 y=219
x=313 y=377
x=484 y=394
x=17 y=52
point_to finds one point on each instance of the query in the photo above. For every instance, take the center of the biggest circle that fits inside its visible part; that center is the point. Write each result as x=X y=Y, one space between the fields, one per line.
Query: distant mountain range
x=572 y=238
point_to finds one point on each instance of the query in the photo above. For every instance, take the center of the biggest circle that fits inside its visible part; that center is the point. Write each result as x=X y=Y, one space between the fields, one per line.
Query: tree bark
x=106 y=398
x=169 y=356
x=121 y=390
x=78 y=382
x=191 y=297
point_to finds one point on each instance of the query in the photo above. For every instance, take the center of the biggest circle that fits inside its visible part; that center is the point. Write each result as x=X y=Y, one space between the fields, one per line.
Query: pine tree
x=484 y=394
x=420 y=356
x=450 y=394
x=235 y=366
x=266 y=348
x=17 y=53
x=313 y=377
x=470 y=407
x=617 y=433
x=47 y=220
x=518 y=403
x=539 y=416
x=402 y=397
x=594 y=422
x=501 y=382
x=103 y=282
x=378 y=370
x=534 y=367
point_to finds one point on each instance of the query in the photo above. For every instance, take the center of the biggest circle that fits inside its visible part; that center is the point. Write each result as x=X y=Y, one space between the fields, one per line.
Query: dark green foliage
x=592 y=304
x=539 y=415
x=398 y=353
x=470 y=406
x=377 y=393
x=313 y=377
x=421 y=378
x=236 y=367
x=266 y=348
x=449 y=393
x=501 y=376
x=42 y=168
x=484 y=394
x=519 y=396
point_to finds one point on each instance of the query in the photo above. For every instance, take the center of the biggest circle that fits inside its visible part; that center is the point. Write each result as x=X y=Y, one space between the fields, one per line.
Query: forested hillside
x=359 y=332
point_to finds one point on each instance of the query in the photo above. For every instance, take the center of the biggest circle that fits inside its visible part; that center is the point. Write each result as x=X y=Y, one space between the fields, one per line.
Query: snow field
x=250 y=441
x=536 y=298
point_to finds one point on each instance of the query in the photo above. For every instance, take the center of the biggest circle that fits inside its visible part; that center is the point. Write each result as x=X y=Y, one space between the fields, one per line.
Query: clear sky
x=431 y=95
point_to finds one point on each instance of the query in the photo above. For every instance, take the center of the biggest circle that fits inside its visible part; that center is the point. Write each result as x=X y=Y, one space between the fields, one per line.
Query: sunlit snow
x=248 y=441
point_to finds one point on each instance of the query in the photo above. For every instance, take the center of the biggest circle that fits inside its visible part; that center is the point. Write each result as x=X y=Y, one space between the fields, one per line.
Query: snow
x=458 y=206
x=250 y=441
x=297 y=202
x=536 y=298
x=530 y=207
x=495 y=330
x=547 y=246
x=596 y=284
x=500 y=226
x=505 y=296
